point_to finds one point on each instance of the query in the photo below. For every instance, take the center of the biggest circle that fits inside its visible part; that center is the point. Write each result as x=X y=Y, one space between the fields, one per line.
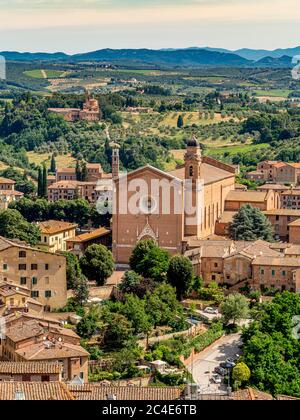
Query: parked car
x=221 y=371
x=226 y=365
x=217 y=379
x=212 y=311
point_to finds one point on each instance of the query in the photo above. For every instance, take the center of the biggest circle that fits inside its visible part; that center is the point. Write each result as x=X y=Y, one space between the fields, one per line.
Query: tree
x=180 y=275
x=119 y=331
x=90 y=323
x=53 y=164
x=78 y=171
x=250 y=224
x=97 y=263
x=84 y=172
x=73 y=270
x=150 y=261
x=271 y=349
x=134 y=310
x=162 y=305
x=81 y=290
x=235 y=308
x=45 y=182
x=14 y=226
x=241 y=374
x=40 y=182
x=129 y=281
x=180 y=122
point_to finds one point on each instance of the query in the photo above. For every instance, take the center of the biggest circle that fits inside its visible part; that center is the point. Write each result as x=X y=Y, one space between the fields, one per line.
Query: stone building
x=294 y=232
x=281 y=220
x=185 y=202
x=36 y=341
x=254 y=263
x=43 y=273
x=91 y=111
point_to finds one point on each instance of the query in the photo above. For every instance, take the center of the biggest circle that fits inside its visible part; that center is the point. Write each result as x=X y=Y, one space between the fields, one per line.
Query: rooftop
x=30 y=368
x=211 y=173
x=247 y=196
x=49 y=350
x=277 y=261
x=274 y=187
x=6 y=181
x=296 y=223
x=101 y=393
x=282 y=212
x=55 y=226
x=85 y=237
x=34 y=391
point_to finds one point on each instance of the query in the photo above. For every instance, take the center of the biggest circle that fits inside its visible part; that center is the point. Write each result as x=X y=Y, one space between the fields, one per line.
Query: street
x=203 y=365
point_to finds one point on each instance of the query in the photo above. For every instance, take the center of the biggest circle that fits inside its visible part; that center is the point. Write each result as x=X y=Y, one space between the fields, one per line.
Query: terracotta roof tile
x=11 y=368
x=38 y=391
x=55 y=226
x=97 y=233
x=247 y=196
x=100 y=393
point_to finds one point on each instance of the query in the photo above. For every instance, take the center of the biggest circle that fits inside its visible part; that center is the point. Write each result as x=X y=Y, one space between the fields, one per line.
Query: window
x=213 y=278
x=262 y=271
x=35 y=294
x=5 y=266
x=34 y=267
x=34 y=281
x=48 y=294
x=191 y=171
x=46 y=267
x=23 y=281
x=22 y=267
x=216 y=265
x=273 y=273
x=284 y=273
x=45 y=378
x=22 y=254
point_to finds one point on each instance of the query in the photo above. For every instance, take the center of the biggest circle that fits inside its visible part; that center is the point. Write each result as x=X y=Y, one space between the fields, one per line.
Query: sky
x=75 y=26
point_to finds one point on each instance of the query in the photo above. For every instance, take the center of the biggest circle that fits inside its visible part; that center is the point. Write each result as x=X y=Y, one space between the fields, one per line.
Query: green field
x=284 y=93
x=44 y=74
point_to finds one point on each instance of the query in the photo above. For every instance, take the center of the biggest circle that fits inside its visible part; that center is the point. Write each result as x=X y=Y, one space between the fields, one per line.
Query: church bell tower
x=193 y=160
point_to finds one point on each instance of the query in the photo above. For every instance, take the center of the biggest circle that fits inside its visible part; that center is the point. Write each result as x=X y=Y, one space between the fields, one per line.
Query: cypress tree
x=53 y=164
x=84 y=172
x=180 y=122
x=45 y=182
x=40 y=182
x=78 y=171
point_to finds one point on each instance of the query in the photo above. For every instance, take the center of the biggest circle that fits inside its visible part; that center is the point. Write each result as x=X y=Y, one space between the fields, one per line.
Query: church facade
x=169 y=207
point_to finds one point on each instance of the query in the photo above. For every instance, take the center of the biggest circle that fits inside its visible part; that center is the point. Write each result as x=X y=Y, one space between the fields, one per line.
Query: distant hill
x=184 y=58
x=27 y=56
x=282 y=62
x=255 y=55
x=187 y=57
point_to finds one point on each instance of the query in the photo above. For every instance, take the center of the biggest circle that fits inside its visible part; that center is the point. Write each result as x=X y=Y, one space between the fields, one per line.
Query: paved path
x=204 y=364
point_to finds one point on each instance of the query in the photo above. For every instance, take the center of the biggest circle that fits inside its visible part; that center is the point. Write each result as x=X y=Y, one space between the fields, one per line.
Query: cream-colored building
x=8 y=194
x=43 y=273
x=55 y=234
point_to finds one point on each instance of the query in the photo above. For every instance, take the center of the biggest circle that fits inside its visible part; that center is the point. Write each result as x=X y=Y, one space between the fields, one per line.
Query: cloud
x=41 y=13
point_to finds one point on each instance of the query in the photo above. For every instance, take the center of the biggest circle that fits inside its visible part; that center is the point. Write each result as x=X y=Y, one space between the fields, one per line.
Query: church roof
x=210 y=173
